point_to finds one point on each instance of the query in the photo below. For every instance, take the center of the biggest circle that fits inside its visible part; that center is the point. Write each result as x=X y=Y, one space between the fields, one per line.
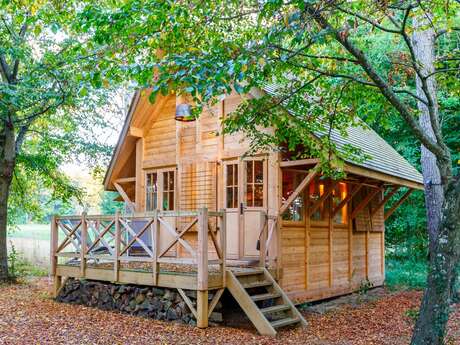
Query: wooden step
x=265 y=296
x=248 y=272
x=275 y=309
x=284 y=322
x=257 y=284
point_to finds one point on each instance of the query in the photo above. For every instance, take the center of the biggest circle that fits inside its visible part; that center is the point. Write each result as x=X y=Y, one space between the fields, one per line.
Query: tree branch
x=385 y=88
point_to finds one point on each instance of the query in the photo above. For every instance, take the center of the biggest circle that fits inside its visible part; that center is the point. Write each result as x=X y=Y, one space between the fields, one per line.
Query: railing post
x=223 y=244
x=54 y=259
x=83 y=244
x=116 y=252
x=54 y=244
x=155 y=246
x=202 y=263
x=263 y=239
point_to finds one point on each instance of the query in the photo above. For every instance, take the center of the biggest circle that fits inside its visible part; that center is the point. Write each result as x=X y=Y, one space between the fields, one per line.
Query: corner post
x=54 y=244
x=155 y=245
x=202 y=263
x=116 y=252
x=84 y=233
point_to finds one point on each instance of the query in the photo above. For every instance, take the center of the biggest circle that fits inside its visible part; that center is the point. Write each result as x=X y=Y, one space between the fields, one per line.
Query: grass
x=405 y=274
x=34 y=231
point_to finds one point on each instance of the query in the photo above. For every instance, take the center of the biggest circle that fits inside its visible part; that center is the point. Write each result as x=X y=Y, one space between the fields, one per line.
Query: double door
x=245 y=198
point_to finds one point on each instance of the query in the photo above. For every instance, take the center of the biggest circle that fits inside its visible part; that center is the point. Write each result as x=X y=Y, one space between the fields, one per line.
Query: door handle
x=241 y=208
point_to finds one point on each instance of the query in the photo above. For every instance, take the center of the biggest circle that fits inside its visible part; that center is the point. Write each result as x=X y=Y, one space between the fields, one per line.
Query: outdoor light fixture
x=184 y=113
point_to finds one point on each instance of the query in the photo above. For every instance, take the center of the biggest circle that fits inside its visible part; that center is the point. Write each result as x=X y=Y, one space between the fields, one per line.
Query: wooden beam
x=395 y=206
x=354 y=169
x=364 y=203
x=202 y=253
x=214 y=301
x=296 y=163
x=347 y=199
x=305 y=182
x=385 y=200
x=125 y=180
x=323 y=197
x=136 y=132
x=188 y=302
x=124 y=195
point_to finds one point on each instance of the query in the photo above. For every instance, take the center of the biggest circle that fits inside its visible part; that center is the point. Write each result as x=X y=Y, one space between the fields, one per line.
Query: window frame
x=245 y=183
x=160 y=183
x=238 y=185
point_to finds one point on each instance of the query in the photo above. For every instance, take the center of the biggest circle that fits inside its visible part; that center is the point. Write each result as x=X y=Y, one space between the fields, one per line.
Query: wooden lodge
x=202 y=216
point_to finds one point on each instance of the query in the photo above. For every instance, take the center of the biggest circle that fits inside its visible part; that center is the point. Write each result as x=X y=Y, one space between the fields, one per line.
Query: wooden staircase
x=263 y=300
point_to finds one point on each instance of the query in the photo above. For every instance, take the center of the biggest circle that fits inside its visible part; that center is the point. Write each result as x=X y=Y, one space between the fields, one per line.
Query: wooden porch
x=146 y=249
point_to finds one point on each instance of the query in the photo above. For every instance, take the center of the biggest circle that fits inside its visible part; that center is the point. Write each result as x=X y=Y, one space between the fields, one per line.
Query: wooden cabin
x=316 y=237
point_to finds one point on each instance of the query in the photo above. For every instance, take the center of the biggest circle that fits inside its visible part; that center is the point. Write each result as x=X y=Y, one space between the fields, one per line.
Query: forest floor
x=28 y=315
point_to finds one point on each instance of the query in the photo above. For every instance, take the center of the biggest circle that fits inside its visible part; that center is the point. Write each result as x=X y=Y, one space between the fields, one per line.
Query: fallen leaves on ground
x=29 y=316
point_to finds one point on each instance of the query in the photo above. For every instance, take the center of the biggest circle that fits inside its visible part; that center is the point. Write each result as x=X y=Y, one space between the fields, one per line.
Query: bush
x=409 y=274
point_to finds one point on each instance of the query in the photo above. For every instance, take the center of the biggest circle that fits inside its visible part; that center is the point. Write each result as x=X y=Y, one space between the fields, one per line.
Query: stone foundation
x=145 y=301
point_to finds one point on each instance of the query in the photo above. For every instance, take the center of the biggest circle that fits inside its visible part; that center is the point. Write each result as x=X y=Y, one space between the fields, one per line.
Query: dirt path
x=29 y=316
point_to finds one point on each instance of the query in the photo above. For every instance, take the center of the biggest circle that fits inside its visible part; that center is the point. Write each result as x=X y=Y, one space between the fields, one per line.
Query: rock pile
x=145 y=301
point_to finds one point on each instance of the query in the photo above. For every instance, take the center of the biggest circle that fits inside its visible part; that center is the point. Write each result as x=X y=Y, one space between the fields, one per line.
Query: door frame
x=242 y=203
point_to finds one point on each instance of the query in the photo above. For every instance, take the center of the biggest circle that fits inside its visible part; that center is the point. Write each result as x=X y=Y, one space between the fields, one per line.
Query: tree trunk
x=430 y=328
x=424 y=42
x=7 y=163
x=442 y=204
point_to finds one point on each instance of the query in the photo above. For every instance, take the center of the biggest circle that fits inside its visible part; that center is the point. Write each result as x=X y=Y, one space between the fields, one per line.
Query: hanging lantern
x=184 y=113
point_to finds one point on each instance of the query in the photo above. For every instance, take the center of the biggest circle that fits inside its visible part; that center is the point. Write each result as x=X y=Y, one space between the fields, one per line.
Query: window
x=291 y=180
x=316 y=191
x=152 y=192
x=168 y=190
x=160 y=190
x=231 y=186
x=338 y=195
x=254 y=183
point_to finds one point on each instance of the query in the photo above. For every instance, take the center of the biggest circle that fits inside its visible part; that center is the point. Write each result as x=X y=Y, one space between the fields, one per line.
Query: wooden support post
x=263 y=239
x=364 y=203
x=400 y=201
x=202 y=250
x=116 y=252
x=54 y=244
x=384 y=201
x=202 y=308
x=223 y=244
x=155 y=246
x=57 y=285
x=83 y=244
x=304 y=184
x=202 y=263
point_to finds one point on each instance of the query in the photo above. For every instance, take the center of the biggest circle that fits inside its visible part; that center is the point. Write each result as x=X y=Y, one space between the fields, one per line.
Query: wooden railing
x=268 y=242
x=141 y=238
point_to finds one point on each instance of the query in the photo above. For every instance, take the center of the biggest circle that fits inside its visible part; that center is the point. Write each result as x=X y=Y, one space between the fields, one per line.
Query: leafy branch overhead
x=320 y=55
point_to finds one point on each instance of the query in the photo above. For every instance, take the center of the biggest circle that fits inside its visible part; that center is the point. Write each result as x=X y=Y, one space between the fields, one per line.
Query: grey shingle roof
x=382 y=156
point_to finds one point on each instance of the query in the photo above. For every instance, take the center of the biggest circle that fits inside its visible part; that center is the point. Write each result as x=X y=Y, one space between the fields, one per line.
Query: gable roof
x=383 y=157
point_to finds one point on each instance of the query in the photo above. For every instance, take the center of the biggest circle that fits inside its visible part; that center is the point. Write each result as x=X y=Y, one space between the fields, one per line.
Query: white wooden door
x=231 y=198
x=245 y=193
x=253 y=202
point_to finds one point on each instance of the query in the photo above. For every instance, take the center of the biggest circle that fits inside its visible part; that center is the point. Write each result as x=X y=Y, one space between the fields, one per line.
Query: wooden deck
x=151 y=250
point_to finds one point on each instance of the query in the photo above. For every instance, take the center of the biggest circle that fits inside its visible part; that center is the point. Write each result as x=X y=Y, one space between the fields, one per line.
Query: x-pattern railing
x=140 y=238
